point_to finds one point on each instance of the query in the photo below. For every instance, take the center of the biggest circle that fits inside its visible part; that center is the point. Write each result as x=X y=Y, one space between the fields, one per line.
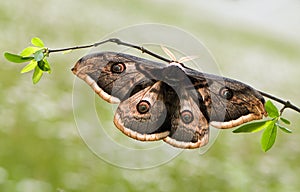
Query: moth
x=167 y=100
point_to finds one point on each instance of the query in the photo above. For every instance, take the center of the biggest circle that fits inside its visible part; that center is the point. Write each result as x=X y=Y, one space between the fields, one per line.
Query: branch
x=112 y=40
x=286 y=104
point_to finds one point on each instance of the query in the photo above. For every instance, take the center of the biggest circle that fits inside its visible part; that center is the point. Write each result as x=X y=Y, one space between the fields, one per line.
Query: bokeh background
x=40 y=149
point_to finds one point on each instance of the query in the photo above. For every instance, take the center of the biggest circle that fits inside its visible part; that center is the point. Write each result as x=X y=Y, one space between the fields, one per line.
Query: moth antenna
x=187 y=58
x=169 y=53
x=181 y=60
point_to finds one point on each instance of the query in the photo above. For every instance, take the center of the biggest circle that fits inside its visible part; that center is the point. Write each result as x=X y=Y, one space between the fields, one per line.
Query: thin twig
x=286 y=104
x=112 y=40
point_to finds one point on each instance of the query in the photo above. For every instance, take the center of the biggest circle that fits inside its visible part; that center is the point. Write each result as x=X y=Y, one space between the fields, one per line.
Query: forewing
x=228 y=102
x=115 y=76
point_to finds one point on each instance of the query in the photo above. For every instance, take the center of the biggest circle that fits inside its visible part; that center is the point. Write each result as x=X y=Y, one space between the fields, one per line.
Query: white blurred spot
x=33 y=185
x=3 y=175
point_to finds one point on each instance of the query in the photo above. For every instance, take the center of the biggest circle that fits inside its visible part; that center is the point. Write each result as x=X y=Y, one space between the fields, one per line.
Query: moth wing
x=189 y=127
x=115 y=76
x=228 y=102
x=143 y=115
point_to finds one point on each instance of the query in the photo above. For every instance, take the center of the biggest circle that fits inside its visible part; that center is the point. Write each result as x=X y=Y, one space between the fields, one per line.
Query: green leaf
x=16 y=58
x=29 y=67
x=285 y=121
x=28 y=51
x=37 y=74
x=39 y=55
x=252 y=127
x=269 y=136
x=43 y=65
x=271 y=109
x=284 y=129
x=37 y=42
x=47 y=65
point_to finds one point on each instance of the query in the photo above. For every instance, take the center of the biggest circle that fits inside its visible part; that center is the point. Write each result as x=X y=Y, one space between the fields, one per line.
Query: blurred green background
x=256 y=42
